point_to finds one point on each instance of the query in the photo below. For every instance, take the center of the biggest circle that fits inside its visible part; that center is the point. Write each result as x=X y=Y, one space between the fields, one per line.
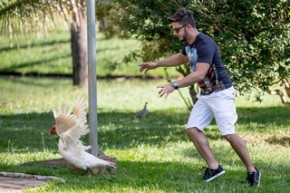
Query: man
x=216 y=98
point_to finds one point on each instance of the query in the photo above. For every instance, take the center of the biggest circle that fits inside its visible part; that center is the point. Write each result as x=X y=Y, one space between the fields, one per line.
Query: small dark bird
x=141 y=114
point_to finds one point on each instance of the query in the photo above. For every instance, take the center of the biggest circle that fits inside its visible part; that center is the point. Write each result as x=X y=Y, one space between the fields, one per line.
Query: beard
x=185 y=35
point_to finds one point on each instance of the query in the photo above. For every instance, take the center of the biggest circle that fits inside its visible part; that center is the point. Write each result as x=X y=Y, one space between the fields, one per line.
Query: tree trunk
x=79 y=49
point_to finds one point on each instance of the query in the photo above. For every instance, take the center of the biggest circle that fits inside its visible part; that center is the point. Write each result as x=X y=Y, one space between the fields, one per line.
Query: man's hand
x=147 y=66
x=165 y=89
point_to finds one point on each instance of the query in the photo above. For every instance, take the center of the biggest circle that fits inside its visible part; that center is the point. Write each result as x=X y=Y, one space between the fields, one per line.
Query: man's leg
x=240 y=148
x=238 y=144
x=200 y=142
x=200 y=117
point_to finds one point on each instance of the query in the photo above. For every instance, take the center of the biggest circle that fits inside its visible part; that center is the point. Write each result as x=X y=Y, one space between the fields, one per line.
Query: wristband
x=175 y=85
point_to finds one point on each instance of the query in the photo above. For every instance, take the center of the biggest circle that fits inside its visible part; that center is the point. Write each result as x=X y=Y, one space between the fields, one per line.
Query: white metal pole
x=92 y=79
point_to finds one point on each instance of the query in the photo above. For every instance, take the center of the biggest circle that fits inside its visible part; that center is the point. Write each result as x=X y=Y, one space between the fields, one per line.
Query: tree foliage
x=20 y=16
x=253 y=35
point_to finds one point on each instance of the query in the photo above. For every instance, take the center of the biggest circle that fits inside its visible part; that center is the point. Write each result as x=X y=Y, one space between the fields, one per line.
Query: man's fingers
x=162 y=92
x=142 y=68
x=166 y=95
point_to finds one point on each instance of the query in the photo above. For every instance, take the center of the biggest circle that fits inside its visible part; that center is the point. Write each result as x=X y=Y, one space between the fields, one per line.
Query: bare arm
x=174 y=60
x=196 y=76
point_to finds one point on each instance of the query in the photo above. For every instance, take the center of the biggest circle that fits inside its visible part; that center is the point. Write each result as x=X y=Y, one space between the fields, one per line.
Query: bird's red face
x=52 y=131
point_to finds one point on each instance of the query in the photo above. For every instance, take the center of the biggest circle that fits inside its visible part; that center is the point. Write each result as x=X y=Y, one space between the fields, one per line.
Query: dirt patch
x=16 y=182
x=13 y=185
x=283 y=140
x=54 y=162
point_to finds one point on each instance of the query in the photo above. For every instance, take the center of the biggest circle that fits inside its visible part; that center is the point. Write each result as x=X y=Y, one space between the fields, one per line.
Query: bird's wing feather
x=64 y=122
x=72 y=125
x=77 y=131
x=66 y=118
x=93 y=161
x=79 y=112
x=73 y=143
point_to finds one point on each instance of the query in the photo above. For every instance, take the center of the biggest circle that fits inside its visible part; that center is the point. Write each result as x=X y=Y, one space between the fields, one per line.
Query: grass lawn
x=153 y=154
x=51 y=54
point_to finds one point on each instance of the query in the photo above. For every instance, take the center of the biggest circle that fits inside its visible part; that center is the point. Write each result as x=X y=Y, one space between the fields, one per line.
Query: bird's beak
x=52 y=131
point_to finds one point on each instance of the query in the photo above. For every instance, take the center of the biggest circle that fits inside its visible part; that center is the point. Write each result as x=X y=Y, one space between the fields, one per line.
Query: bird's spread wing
x=79 y=112
x=67 y=118
x=71 y=124
x=64 y=121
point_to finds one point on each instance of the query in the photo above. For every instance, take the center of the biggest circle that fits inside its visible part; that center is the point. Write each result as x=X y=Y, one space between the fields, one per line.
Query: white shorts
x=220 y=105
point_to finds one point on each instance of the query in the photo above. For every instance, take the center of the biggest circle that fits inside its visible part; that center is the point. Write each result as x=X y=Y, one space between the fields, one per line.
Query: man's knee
x=230 y=137
x=191 y=132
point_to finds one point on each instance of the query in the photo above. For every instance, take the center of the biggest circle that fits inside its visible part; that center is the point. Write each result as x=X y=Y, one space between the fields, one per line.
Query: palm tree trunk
x=79 y=49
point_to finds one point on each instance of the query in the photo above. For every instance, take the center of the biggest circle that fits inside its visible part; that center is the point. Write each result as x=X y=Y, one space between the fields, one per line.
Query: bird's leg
x=88 y=171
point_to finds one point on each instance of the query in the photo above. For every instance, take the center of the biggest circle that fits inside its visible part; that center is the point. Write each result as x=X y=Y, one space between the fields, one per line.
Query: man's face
x=178 y=30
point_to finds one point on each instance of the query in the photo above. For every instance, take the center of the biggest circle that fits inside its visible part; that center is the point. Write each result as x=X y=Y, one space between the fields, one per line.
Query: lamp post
x=92 y=79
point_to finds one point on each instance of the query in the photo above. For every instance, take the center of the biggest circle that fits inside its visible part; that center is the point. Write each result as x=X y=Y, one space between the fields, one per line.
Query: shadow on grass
x=16 y=67
x=130 y=174
x=26 y=132
x=33 y=82
x=41 y=44
x=166 y=177
x=265 y=115
x=34 y=45
x=29 y=132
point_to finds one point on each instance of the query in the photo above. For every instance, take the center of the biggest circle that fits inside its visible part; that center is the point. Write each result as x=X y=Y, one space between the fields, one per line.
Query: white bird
x=70 y=125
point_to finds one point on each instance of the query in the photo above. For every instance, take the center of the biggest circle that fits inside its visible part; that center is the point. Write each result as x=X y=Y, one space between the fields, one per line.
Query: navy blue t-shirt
x=205 y=50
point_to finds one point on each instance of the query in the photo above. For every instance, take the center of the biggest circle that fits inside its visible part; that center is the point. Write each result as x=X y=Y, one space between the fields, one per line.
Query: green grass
x=51 y=54
x=153 y=154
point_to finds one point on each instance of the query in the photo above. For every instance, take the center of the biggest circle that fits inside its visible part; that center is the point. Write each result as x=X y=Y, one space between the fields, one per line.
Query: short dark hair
x=183 y=16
